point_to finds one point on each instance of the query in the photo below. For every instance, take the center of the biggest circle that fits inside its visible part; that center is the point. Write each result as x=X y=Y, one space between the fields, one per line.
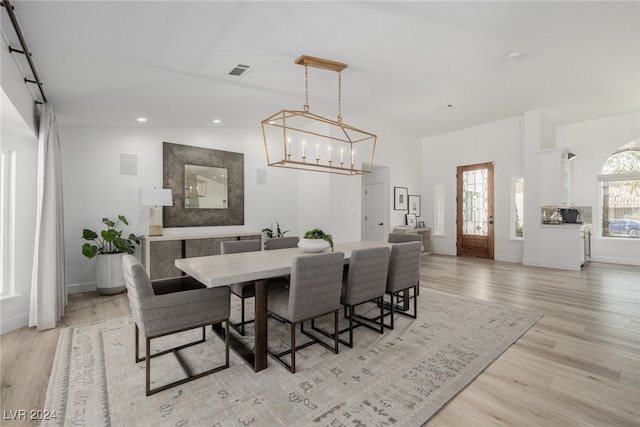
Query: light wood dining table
x=258 y=266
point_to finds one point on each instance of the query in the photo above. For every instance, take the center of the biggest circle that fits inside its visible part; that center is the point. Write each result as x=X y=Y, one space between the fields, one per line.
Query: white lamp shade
x=155 y=197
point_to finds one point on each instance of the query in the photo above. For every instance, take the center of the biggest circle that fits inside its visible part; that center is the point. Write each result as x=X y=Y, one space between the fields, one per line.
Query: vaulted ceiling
x=424 y=67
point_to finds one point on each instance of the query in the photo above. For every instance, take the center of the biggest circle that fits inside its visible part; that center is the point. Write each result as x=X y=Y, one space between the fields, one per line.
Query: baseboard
x=616 y=260
x=78 y=288
x=513 y=260
x=532 y=262
x=17 y=322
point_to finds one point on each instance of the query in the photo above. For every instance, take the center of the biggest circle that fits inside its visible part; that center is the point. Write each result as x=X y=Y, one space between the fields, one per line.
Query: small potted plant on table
x=316 y=240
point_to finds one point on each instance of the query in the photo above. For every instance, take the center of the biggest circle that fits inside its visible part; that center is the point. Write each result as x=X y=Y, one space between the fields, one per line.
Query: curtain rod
x=25 y=51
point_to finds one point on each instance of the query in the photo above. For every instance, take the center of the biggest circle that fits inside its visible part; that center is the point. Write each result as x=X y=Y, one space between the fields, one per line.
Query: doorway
x=374 y=215
x=474 y=206
x=375 y=204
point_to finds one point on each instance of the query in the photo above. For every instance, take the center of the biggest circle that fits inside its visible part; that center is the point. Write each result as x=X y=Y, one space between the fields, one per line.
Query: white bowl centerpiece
x=316 y=240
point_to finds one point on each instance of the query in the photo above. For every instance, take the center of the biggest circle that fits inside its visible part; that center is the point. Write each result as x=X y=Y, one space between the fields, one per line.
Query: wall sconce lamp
x=155 y=198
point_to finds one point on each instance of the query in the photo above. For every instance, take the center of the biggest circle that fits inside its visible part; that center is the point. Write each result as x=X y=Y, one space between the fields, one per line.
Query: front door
x=475 y=210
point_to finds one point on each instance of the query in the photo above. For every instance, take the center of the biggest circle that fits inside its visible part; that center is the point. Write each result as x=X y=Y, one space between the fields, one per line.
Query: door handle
x=381 y=224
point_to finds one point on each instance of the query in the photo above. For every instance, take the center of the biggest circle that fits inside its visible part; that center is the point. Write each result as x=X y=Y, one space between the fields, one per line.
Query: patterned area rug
x=400 y=378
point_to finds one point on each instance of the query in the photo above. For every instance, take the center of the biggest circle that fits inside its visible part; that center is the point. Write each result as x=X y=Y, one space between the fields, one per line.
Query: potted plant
x=109 y=247
x=316 y=240
x=271 y=234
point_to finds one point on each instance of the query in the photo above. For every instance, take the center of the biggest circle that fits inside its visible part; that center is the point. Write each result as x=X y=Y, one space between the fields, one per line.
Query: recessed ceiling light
x=217 y=121
x=141 y=119
x=513 y=56
x=445 y=107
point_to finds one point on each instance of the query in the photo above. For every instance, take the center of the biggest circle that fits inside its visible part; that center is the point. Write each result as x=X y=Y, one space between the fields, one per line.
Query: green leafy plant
x=277 y=233
x=316 y=233
x=110 y=240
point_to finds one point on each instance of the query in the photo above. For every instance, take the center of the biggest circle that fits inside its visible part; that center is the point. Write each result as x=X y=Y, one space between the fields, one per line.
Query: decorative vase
x=313 y=245
x=109 y=274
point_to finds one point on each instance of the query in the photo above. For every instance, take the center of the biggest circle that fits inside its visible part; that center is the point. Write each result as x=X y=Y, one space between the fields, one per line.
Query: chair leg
x=337 y=332
x=240 y=326
x=392 y=310
x=189 y=376
x=226 y=344
x=381 y=305
x=293 y=348
x=137 y=338
x=148 y=367
x=350 y=345
x=242 y=318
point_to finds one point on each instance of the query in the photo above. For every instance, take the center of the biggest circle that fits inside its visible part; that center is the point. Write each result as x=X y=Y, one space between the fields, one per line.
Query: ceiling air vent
x=239 y=70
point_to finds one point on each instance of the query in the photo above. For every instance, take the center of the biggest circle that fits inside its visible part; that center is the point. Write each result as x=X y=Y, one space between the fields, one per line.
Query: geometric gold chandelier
x=302 y=140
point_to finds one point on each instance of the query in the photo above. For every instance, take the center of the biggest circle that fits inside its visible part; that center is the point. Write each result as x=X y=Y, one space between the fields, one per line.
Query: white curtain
x=49 y=279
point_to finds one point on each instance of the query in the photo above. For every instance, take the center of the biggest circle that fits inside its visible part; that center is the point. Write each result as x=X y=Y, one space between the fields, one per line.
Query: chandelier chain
x=306 y=88
x=339 y=96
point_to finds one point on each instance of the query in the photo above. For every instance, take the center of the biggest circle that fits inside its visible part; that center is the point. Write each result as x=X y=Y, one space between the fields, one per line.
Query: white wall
x=499 y=142
x=298 y=200
x=513 y=146
x=594 y=141
x=400 y=152
x=13 y=84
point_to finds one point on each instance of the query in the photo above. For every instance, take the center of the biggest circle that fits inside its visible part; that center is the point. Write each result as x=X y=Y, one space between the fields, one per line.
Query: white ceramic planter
x=109 y=274
x=313 y=245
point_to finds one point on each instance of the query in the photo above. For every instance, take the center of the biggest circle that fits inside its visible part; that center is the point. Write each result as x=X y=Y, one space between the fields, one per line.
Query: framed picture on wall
x=414 y=204
x=411 y=220
x=400 y=198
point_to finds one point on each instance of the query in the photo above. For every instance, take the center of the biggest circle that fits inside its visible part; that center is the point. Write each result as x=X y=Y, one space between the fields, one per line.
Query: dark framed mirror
x=179 y=163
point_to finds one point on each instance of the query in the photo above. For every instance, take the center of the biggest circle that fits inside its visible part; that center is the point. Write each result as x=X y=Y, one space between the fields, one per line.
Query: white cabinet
x=562 y=246
x=556 y=172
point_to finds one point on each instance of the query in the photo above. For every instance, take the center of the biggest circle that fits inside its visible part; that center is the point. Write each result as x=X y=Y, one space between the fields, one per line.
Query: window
x=7 y=222
x=517 y=208
x=620 y=192
x=439 y=213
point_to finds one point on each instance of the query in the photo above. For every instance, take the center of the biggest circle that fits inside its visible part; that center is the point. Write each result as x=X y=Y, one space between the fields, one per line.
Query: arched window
x=620 y=192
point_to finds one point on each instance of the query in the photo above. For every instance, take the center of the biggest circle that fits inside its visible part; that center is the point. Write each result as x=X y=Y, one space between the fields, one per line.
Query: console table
x=160 y=252
x=425 y=232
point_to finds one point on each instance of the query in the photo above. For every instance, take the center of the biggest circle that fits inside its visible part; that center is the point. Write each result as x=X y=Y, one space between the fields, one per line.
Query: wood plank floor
x=579 y=365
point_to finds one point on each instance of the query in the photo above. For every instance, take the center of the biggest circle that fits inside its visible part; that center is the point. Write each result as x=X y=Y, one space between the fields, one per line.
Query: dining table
x=258 y=266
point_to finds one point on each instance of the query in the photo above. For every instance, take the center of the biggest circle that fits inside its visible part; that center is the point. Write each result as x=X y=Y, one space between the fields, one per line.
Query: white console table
x=160 y=252
x=425 y=232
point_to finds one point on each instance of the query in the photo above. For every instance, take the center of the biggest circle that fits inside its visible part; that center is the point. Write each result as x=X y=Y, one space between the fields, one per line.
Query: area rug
x=399 y=378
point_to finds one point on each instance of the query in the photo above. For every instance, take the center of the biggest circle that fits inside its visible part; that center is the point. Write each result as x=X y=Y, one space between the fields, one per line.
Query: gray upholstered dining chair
x=313 y=291
x=281 y=242
x=364 y=280
x=403 y=238
x=242 y=290
x=167 y=306
x=404 y=275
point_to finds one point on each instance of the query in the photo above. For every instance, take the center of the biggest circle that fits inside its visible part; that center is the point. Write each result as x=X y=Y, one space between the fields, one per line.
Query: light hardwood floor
x=579 y=365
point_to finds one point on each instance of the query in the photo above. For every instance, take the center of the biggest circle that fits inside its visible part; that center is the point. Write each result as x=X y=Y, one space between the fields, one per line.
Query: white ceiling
x=104 y=64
